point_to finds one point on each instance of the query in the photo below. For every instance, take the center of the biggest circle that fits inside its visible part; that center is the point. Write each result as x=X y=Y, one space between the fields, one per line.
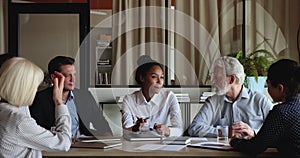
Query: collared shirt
x=24 y=110
x=250 y=107
x=21 y=136
x=73 y=113
x=281 y=130
x=162 y=107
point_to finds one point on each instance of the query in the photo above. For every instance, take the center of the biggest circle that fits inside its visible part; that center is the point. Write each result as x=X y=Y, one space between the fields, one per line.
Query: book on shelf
x=183 y=97
x=205 y=95
x=106 y=81
x=100 y=78
x=203 y=98
x=181 y=94
x=103 y=62
x=104 y=78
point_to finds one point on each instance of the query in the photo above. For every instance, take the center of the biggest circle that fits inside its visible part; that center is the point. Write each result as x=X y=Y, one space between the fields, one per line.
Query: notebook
x=177 y=140
x=96 y=144
x=212 y=145
x=142 y=136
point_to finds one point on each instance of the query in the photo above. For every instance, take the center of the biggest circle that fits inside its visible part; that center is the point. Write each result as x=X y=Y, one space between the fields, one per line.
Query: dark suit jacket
x=43 y=111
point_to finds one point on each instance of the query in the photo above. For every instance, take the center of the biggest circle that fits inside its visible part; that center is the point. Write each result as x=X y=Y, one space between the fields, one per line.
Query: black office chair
x=186 y=133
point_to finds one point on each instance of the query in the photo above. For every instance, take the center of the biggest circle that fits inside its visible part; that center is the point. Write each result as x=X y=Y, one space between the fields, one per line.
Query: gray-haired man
x=233 y=104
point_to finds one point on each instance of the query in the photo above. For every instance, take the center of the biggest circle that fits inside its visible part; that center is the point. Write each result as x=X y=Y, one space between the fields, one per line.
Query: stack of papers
x=183 y=97
x=205 y=95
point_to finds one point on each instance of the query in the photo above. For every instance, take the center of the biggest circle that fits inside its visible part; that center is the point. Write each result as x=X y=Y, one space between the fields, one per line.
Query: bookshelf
x=103 y=50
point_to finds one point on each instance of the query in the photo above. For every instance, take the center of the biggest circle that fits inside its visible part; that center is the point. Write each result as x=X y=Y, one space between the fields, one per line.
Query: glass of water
x=222 y=133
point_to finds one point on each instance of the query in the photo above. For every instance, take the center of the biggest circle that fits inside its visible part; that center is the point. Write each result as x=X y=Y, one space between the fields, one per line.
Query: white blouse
x=163 y=108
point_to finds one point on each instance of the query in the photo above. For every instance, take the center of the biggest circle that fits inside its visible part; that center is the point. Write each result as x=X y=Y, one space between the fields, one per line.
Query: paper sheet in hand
x=212 y=145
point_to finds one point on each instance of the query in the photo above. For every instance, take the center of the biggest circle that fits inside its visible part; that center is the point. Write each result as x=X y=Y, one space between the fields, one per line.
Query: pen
x=139 y=120
x=146 y=118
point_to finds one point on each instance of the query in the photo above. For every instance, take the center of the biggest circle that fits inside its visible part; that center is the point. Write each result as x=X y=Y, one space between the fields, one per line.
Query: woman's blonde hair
x=19 y=80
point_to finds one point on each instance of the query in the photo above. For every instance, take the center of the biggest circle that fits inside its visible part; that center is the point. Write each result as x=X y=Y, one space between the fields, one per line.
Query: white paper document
x=199 y=139
x=162 y=147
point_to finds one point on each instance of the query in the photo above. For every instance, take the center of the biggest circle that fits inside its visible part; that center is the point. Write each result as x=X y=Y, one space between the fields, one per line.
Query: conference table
x=129 y=149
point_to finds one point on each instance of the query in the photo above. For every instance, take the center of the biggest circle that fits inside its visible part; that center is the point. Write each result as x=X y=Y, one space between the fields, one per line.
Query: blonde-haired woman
x=20 y=135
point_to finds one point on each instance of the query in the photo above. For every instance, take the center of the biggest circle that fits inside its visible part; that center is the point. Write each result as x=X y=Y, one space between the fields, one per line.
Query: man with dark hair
x=84 y=112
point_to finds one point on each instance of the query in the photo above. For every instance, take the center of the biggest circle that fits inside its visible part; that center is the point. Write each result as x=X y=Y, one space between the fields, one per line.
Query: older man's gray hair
x=232 y=67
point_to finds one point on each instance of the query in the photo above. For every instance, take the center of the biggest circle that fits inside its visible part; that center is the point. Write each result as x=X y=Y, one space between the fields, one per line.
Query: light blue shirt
x=73 y=113
x=250 y=107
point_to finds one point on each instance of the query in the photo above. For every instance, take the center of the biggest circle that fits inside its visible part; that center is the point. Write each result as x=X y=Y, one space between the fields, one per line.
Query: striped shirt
x=22 y=137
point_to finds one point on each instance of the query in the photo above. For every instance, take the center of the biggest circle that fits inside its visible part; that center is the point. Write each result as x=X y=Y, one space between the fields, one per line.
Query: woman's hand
x=241 y=129
x=139 y=123
x=162 y=129
x=58 y=87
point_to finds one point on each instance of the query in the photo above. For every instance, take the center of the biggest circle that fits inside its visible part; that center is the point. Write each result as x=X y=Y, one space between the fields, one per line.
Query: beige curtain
x=218 y=24
x=275 y=20
x=3 y=26
x=213 y=29
x=138 y=29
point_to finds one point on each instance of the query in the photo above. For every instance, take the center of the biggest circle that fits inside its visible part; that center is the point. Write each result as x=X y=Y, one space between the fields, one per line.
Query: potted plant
x=256 y=65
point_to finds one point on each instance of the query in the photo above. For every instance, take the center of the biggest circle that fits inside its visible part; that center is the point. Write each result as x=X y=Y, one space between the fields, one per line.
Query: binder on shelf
x=103 y=78
x=100 y=78
x=106 y=78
